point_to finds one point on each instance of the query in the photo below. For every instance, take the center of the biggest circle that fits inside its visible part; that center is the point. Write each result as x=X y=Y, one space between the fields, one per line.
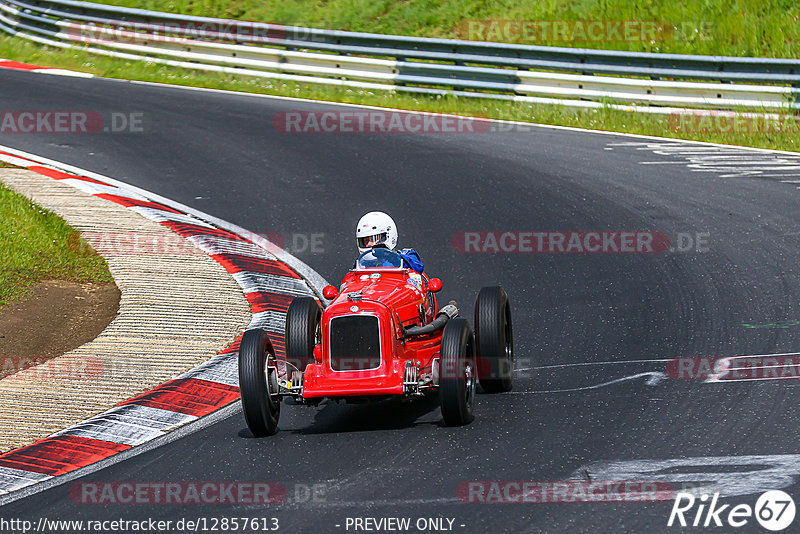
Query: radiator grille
x=355 y=343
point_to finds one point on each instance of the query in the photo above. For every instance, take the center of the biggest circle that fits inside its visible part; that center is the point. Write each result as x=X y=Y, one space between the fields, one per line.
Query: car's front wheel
x=258 y=383
x=457 y=373
x=302 y=330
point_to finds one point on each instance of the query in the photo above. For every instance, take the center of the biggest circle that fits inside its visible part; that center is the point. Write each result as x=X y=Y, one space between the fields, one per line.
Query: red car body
x=393 y=298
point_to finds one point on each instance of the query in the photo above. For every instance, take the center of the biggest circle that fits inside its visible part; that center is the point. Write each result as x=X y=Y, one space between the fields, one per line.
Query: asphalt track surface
x=220 y=153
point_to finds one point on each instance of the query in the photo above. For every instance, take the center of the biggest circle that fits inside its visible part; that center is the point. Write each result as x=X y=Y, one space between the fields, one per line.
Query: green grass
x=768 y=28
x=38 y=245
x=602 y=119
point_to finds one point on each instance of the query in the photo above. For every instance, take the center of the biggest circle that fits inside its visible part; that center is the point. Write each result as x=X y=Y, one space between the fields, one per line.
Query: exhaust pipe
x=445 y=314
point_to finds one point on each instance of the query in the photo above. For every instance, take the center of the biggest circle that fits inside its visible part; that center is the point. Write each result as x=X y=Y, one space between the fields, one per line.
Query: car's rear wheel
x=258 y=383
x=457 y=373
x=494 y=340
x=302 y=329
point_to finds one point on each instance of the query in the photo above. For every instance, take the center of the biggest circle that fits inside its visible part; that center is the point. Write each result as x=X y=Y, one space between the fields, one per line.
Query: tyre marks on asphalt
x=727 y=475
x=726 y=161
x=653 y=378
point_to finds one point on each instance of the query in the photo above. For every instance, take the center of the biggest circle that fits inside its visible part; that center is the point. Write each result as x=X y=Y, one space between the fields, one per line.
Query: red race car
x=380 y=337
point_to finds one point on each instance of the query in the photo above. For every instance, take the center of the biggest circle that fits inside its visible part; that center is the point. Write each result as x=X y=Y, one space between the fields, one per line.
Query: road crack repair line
x=724 y=370
x=653 y=379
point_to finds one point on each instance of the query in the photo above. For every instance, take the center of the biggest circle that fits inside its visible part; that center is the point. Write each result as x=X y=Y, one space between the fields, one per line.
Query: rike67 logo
x=773 y=510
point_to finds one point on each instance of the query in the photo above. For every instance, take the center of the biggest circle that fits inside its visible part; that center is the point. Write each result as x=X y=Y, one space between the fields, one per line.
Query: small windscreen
x=379 y=257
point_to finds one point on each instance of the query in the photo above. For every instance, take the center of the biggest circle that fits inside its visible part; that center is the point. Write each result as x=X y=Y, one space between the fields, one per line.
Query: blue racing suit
x=411 y=257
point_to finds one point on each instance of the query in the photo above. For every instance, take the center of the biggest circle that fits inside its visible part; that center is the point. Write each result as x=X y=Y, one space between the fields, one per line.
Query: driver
x=377 y=229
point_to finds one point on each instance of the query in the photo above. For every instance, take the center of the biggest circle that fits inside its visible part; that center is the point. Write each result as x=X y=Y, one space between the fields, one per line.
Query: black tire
x=457 y=373
x=494 y=340
x=302 y=321
x=256 y=383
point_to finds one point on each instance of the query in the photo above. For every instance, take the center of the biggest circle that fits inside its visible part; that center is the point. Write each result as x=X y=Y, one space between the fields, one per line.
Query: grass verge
x=38 y=245
x=767 y=28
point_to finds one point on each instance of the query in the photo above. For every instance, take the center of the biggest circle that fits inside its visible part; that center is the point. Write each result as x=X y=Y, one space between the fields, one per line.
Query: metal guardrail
x=576 y=77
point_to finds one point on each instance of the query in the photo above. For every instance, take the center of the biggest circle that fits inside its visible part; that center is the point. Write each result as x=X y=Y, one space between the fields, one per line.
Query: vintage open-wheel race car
x=380 y=337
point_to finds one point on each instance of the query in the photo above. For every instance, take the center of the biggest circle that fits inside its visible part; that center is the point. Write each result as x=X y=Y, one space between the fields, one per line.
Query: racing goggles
x=372 y=240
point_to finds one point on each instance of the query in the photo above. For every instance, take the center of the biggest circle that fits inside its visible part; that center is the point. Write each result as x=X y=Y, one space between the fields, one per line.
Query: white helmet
x=376 y=228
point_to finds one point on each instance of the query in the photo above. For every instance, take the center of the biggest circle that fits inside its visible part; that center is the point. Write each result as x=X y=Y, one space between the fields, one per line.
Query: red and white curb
x=269 y=279
x=16 y=65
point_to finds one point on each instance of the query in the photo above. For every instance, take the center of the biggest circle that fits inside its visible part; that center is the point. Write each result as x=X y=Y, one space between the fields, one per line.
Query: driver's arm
x=411 y=257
